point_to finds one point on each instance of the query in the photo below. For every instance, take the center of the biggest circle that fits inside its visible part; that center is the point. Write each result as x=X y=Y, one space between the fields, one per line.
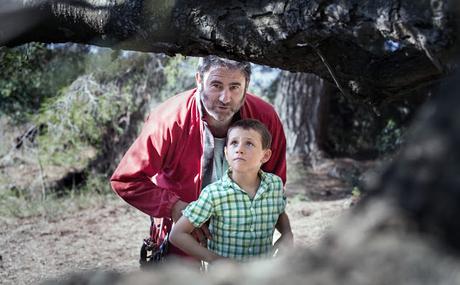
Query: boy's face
x=244 y=150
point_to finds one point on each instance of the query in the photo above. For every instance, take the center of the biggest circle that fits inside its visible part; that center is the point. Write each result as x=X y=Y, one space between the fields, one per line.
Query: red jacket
x=164 y=163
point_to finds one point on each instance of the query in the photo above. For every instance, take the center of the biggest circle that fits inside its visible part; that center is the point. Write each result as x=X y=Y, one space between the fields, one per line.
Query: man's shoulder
x=257 y=108
x=254 y=100
x=175 y=109
x=176 y=102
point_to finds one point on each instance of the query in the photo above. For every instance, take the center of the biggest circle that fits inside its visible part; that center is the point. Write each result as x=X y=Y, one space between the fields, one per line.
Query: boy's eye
x=250 y=144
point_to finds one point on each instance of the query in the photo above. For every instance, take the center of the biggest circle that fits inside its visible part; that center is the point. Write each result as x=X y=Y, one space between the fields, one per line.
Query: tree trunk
x=372 y=50
x=302 y=102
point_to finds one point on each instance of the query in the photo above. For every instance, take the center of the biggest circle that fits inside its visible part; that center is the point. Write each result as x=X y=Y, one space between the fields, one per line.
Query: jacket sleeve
x=132 y=180
x=277 y=162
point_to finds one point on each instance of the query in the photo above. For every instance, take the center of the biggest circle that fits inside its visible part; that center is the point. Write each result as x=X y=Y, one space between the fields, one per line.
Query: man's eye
x=236 y=87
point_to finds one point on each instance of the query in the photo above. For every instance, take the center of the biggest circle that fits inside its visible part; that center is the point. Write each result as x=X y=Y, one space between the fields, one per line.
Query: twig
x=331 y=72
x=42 y=176
x=343 y=90
x=329 y=69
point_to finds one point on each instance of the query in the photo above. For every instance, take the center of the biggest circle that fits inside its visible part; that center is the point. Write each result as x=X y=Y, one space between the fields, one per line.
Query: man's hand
x=200 y=234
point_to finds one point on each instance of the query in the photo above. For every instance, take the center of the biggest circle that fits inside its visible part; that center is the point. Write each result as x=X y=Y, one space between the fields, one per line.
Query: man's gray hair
x=206 y=63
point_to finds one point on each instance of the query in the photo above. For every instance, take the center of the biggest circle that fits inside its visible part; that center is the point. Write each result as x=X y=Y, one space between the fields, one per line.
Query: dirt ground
x=109 y=237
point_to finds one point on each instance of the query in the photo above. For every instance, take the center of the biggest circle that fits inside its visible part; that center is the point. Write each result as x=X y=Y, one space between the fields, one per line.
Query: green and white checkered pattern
x=241 y=228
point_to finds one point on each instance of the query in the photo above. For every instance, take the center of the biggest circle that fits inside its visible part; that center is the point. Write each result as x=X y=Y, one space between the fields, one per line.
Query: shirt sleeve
x=144 y=159
x=201 y=210
x=281 y=194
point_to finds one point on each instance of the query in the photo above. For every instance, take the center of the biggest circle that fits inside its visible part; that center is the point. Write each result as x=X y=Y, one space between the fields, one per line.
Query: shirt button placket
x=253 y=220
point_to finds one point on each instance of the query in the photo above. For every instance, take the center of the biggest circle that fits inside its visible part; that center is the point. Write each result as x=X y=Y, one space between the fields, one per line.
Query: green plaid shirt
x=241 y=228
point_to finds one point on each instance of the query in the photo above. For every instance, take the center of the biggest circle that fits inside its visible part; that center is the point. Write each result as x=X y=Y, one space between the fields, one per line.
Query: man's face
x=222 y=92
x=244 y=151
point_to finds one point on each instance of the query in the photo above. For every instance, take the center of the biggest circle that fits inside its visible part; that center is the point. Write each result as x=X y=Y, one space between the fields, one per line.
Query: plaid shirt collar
x=228 y=183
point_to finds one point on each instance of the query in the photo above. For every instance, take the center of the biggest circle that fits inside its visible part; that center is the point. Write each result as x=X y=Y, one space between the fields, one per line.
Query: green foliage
x=32 y=73
x=355 y=130
x=90 y=107
x=78 y=118
x=356 y=192
x=76 y=122
x=390 y=138
x=179 y=74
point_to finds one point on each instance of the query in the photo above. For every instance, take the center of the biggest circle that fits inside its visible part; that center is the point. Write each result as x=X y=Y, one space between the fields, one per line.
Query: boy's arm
x=182 y=238
x=284 y=227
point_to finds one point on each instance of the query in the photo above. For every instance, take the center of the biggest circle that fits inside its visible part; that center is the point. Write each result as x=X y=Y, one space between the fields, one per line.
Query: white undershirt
x=219 y=165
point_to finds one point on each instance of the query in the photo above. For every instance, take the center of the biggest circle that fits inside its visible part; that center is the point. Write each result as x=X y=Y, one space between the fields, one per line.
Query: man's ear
x=198 y=79
x=225 y=152
x=267 y=155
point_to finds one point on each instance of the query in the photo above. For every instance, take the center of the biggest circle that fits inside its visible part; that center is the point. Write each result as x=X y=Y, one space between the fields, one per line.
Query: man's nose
x=225 y=96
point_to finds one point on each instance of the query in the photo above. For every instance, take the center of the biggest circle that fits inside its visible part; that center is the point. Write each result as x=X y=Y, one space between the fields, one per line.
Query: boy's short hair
x=256 y=125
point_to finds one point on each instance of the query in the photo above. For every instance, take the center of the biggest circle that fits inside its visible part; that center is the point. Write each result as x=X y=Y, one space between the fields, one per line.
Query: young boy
x=243 y=207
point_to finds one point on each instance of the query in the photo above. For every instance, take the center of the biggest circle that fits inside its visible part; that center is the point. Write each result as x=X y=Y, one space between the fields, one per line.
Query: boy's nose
x=239 y=149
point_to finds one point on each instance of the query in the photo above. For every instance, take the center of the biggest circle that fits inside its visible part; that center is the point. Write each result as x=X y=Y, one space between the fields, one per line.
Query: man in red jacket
x=180 y=148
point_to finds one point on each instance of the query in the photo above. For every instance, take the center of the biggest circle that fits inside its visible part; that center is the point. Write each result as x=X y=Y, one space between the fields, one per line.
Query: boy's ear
x=267 y=155
x=225 y=152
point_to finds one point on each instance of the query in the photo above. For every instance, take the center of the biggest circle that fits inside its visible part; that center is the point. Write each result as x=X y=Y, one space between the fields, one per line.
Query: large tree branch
x=382 y=48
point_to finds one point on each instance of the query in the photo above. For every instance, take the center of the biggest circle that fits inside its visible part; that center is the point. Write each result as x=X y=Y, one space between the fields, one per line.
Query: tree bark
x=371 y=49
x=302 y=101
